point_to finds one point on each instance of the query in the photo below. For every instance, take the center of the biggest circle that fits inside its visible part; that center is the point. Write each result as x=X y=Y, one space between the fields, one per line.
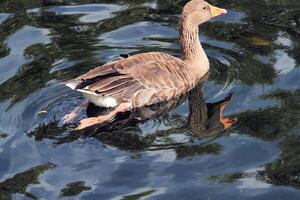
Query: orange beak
x=215 y=11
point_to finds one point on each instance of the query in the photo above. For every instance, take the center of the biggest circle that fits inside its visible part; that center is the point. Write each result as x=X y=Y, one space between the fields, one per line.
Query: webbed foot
x=88 y=122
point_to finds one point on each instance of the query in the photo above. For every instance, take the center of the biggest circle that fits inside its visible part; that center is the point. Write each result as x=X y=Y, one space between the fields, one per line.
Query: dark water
x=254 y=53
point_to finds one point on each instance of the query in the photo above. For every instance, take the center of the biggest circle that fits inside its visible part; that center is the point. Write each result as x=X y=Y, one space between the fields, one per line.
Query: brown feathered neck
x=193 y=52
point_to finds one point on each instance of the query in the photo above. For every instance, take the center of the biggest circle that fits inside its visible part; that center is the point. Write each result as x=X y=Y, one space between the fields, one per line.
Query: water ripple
x=91 y=12
x=18 y=43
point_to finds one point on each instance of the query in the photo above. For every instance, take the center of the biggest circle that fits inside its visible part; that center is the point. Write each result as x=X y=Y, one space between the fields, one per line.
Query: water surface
x=254 y=53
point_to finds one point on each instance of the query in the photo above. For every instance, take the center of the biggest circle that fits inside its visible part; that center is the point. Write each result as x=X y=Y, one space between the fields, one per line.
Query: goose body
x=153 y=77
x=140 y=80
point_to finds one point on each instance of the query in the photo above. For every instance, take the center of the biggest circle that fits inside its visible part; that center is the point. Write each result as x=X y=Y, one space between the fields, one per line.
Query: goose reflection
x=207 y=119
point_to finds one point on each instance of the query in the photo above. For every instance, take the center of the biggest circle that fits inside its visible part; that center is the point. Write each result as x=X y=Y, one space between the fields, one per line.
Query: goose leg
x=88 y=122
x=226 y=121
x=72 y=115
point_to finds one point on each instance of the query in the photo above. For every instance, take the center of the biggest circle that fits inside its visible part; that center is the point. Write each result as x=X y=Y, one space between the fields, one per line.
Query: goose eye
x=205 y=7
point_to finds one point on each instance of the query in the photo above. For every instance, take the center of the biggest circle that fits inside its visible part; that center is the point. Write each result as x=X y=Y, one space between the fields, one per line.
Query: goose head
x=199 y=11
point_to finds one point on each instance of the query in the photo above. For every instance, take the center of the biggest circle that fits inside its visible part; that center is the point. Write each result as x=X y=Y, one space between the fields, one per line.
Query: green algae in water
x=3 y=135
x=73 y=189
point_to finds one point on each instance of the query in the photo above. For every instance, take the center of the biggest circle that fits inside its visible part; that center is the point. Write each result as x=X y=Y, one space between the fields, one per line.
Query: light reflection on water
x=254 y=54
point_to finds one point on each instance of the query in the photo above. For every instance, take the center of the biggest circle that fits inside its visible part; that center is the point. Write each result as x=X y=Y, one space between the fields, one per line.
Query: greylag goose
x=148 y=78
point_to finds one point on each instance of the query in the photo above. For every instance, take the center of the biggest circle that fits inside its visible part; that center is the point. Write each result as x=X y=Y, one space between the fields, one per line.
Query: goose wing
x=143 y=79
